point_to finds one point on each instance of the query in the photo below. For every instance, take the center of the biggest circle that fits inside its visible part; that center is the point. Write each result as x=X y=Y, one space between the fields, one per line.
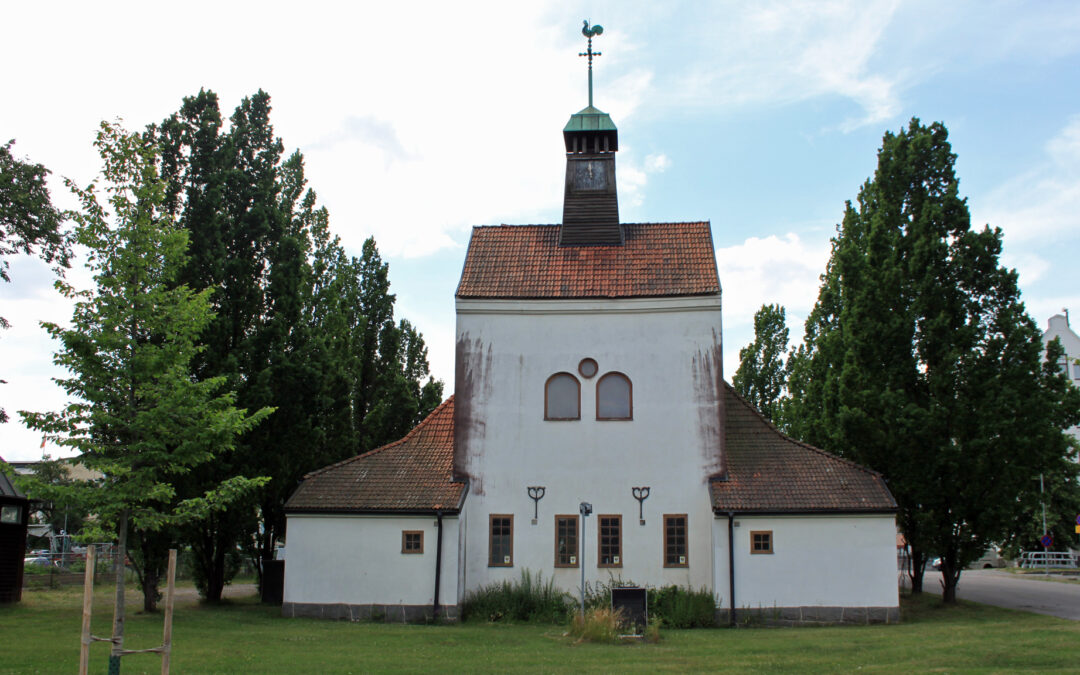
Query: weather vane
x=590 y=33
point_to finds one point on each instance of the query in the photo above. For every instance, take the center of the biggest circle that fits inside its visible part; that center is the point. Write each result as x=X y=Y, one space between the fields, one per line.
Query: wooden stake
x=170 y=594
x=87 y=606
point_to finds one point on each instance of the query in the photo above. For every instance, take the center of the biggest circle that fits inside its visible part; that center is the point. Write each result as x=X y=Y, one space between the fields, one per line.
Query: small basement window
x=562 y=397
x=761 y=541
x=412 y=541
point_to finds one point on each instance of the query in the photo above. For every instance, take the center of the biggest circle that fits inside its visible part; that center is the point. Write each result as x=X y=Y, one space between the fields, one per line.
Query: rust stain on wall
x=472 y=390
x=708 y=374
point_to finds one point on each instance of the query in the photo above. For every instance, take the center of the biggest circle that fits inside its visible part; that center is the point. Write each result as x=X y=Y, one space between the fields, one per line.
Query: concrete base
x=383 y=613
x=808 y=616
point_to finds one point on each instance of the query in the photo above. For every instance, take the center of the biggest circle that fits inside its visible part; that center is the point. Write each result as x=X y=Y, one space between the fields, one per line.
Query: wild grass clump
x=529 y=599
x=600 y=624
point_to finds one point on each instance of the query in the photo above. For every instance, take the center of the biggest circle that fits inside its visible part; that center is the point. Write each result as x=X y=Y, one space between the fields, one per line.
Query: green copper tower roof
x=590 y=119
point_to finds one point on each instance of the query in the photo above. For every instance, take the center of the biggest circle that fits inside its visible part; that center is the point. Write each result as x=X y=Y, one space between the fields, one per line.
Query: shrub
x=682 y=607
x=527 y=599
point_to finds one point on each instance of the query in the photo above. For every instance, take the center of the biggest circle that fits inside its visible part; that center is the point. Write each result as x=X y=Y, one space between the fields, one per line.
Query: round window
x=587 y=367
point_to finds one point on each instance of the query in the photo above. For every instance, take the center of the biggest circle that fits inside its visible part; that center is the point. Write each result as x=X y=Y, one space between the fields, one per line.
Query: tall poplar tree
x=300 y=325
x=762 y=374
x=920 y=361
x=137 y=415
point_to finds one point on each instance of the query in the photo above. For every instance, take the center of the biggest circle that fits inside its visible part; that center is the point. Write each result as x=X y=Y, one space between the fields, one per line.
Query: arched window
x=614 y=397
x=562 y=397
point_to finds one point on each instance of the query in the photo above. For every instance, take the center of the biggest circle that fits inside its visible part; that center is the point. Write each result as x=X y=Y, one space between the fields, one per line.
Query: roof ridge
x=656 y=222
x=412 y=432
x=802 y=444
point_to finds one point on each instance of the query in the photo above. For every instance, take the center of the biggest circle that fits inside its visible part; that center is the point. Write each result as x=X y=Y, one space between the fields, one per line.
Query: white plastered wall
x=832 y=561
x=357 y=559
x=669 y=348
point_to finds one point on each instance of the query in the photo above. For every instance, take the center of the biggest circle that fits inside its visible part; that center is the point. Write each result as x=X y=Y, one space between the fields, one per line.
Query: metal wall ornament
x=640 y=494
x=536 y=493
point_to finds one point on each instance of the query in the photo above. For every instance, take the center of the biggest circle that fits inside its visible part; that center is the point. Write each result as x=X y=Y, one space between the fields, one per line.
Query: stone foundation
x=383 y=613
x=808 y=616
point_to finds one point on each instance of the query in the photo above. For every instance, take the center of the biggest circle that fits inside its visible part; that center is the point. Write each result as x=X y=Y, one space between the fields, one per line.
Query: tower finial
x=590 y=33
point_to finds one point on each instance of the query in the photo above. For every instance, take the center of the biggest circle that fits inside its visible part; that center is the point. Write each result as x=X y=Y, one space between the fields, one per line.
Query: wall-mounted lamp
x=536 y=493
x=640 y=494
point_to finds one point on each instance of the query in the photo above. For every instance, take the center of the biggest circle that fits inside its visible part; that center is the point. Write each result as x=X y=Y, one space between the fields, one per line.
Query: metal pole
x=581 y=559
x=1043 y=500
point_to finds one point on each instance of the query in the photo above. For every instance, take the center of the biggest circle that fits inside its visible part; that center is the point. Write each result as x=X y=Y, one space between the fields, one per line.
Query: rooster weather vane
x=591 y=33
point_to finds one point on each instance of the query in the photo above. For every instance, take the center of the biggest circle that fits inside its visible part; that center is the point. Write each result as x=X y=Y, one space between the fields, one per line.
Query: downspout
x=731 y=566
x=438 y=567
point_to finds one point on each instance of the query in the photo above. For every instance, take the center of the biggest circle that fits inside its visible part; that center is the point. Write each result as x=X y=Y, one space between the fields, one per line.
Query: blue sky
x=420 y=120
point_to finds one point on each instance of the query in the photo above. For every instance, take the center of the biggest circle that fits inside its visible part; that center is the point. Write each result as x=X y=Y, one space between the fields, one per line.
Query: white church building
x=589 y=373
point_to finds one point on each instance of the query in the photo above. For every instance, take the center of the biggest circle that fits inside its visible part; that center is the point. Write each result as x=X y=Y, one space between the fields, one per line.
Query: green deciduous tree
x=920 y=361
x=136 y=414
x=762 y=375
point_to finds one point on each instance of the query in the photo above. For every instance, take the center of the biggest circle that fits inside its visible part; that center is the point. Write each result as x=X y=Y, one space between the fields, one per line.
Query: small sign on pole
x=1047 y=540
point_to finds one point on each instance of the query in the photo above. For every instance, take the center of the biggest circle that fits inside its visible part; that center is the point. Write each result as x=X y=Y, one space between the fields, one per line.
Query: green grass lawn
x=41 y=635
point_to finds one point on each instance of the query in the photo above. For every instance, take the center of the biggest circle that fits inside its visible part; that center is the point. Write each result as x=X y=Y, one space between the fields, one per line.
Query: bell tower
x=590 y=202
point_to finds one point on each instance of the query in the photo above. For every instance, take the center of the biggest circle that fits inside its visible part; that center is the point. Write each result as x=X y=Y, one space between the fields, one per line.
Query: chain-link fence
x=53 y=569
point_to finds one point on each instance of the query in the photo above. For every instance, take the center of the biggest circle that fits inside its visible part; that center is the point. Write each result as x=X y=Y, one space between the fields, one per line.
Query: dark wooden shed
x=14 y=516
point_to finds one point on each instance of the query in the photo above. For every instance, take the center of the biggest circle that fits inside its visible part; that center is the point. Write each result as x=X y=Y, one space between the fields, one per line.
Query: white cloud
x=777 y=53
x=657 y=163
x=781 y=270
x=1042 y=204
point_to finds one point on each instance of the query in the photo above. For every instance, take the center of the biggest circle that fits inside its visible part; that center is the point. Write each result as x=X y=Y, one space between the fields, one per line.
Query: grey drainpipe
x=438 y=567
x=731 y=566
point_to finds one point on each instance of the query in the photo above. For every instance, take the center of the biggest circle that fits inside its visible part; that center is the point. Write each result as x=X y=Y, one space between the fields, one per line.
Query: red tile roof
x=767 y=472
x=409 y=475
x=526 y=261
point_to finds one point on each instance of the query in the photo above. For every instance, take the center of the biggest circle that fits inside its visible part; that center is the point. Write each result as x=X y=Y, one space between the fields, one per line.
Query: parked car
x=989 y=559
x=42 y=560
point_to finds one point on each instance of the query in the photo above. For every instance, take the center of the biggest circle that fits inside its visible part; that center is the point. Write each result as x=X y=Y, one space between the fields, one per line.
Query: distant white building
x=589 y=371
x=1058 y=327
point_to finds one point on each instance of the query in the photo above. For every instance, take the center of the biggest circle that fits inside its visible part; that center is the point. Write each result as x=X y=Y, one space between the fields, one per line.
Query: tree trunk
x=950 y=577
x=151 y=579
x=918 y=567
x=118 y=608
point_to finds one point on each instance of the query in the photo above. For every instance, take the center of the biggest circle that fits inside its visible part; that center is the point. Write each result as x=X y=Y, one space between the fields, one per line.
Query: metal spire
x=589 y=33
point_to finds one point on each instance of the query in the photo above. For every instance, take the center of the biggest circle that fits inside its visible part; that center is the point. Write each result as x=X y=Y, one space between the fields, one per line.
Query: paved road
x=994 y=587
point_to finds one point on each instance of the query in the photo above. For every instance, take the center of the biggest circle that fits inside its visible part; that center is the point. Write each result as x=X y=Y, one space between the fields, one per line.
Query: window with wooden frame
x=614 y=397
x=412 y=541
x=761 y=541
x=609 y=540
x=562 y=397
x=500 y=540
x=675 y=553
x=566 y=541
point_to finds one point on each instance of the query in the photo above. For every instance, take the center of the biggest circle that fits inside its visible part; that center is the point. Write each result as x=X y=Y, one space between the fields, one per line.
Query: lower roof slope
x=412 y=475
x=767 y=472
x=527 y=262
